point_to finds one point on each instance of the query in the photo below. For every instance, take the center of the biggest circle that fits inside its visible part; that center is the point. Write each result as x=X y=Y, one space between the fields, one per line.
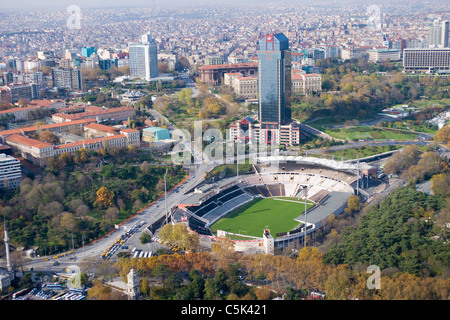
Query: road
x=151 y=214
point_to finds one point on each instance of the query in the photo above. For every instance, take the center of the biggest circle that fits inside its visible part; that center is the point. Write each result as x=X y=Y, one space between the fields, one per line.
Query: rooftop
x=229 y=66
x=20 y=139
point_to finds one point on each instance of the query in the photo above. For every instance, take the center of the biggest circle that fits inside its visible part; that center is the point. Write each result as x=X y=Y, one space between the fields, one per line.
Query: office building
x=378 y=55
x=10 y=172
x=108 y=63
x=87 y=51
x=274 y=124
x=433 y=60
x=249 y=129
x=274 y=85
x=144 y=58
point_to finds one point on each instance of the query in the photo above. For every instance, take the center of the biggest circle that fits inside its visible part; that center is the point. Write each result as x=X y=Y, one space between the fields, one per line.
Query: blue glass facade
x=274 y=81
x=87 y=51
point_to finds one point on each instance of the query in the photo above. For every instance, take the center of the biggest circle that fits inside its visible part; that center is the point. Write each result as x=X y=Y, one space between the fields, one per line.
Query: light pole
x=306 y=197
x=165 y=191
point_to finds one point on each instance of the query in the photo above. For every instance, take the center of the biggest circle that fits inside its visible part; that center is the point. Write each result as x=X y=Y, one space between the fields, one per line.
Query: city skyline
x=55 y=4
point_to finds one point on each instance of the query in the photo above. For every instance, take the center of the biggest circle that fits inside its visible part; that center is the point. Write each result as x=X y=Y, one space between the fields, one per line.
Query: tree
x=353 y=204
x=179 y=234
x=104 y=197
x=48 y=136
x=443 y=135
x=263 y=293
x=402 y=160
x=182 y=63
x=161 y=271
x=440 y=184
x=163 y=67
x=212 y=289
x=101 y=292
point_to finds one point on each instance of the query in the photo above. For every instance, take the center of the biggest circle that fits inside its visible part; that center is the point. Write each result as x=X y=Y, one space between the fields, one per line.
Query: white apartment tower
x=144 y=58
x=438 y=34
x=10 y=172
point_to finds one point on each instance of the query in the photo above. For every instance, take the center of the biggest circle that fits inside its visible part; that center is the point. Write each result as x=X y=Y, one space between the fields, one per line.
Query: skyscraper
x=438 y=34
x=274 y=83
x=444 y=35
x=274 y=125
x=144 y=58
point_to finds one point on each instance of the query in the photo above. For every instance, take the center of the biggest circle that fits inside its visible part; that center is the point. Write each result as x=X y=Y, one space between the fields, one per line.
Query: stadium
x=265 y=208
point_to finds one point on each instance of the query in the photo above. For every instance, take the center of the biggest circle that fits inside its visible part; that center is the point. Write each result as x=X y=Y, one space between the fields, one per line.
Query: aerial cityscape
x=215 y=151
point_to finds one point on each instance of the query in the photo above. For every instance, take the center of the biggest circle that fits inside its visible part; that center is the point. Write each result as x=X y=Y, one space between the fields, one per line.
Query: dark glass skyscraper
x=274 y=81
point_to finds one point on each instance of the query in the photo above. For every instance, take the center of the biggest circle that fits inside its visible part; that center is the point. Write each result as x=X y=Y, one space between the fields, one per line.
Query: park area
x=251 y=219
x=364 y=133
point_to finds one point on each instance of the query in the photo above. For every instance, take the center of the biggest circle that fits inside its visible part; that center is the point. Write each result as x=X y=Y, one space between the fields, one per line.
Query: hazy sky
x=58 y=4
x=62 y=4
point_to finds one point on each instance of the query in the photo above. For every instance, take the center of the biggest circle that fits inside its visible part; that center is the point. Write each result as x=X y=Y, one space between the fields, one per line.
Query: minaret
x=8 y=257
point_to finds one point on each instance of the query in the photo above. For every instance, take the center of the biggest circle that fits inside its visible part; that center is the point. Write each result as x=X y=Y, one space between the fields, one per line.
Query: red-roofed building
x=97 y=113
x=48 y=103
x=39 y=152
x=54 y=127
x=33 y=150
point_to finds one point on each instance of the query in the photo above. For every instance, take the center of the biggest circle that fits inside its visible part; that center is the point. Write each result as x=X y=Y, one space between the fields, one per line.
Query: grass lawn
x=353 y=153
x=252 y=218
x=358 y=132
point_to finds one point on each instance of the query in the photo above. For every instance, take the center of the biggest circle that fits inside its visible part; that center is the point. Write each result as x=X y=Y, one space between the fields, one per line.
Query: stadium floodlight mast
x=306 y=197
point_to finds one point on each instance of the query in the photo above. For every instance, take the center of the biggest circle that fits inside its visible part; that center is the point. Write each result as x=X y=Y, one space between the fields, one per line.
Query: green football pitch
x=252 y=218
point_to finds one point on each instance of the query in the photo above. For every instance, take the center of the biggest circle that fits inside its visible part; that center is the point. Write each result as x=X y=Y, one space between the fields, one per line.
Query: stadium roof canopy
x=333 y=164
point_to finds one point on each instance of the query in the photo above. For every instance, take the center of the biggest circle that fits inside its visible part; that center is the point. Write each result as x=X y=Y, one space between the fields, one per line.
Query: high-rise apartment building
x=144 y=58
x=67 y=78
x=274 y=85
x=10 y=172
x=27 y=91
x=213 y=60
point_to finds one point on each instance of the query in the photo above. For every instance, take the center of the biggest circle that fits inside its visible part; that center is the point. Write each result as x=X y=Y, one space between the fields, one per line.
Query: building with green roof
x=153 y=134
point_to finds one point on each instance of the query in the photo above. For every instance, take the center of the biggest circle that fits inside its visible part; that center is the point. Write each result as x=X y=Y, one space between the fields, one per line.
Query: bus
x=20 y=293
x=54 y=286
x=76 y=291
